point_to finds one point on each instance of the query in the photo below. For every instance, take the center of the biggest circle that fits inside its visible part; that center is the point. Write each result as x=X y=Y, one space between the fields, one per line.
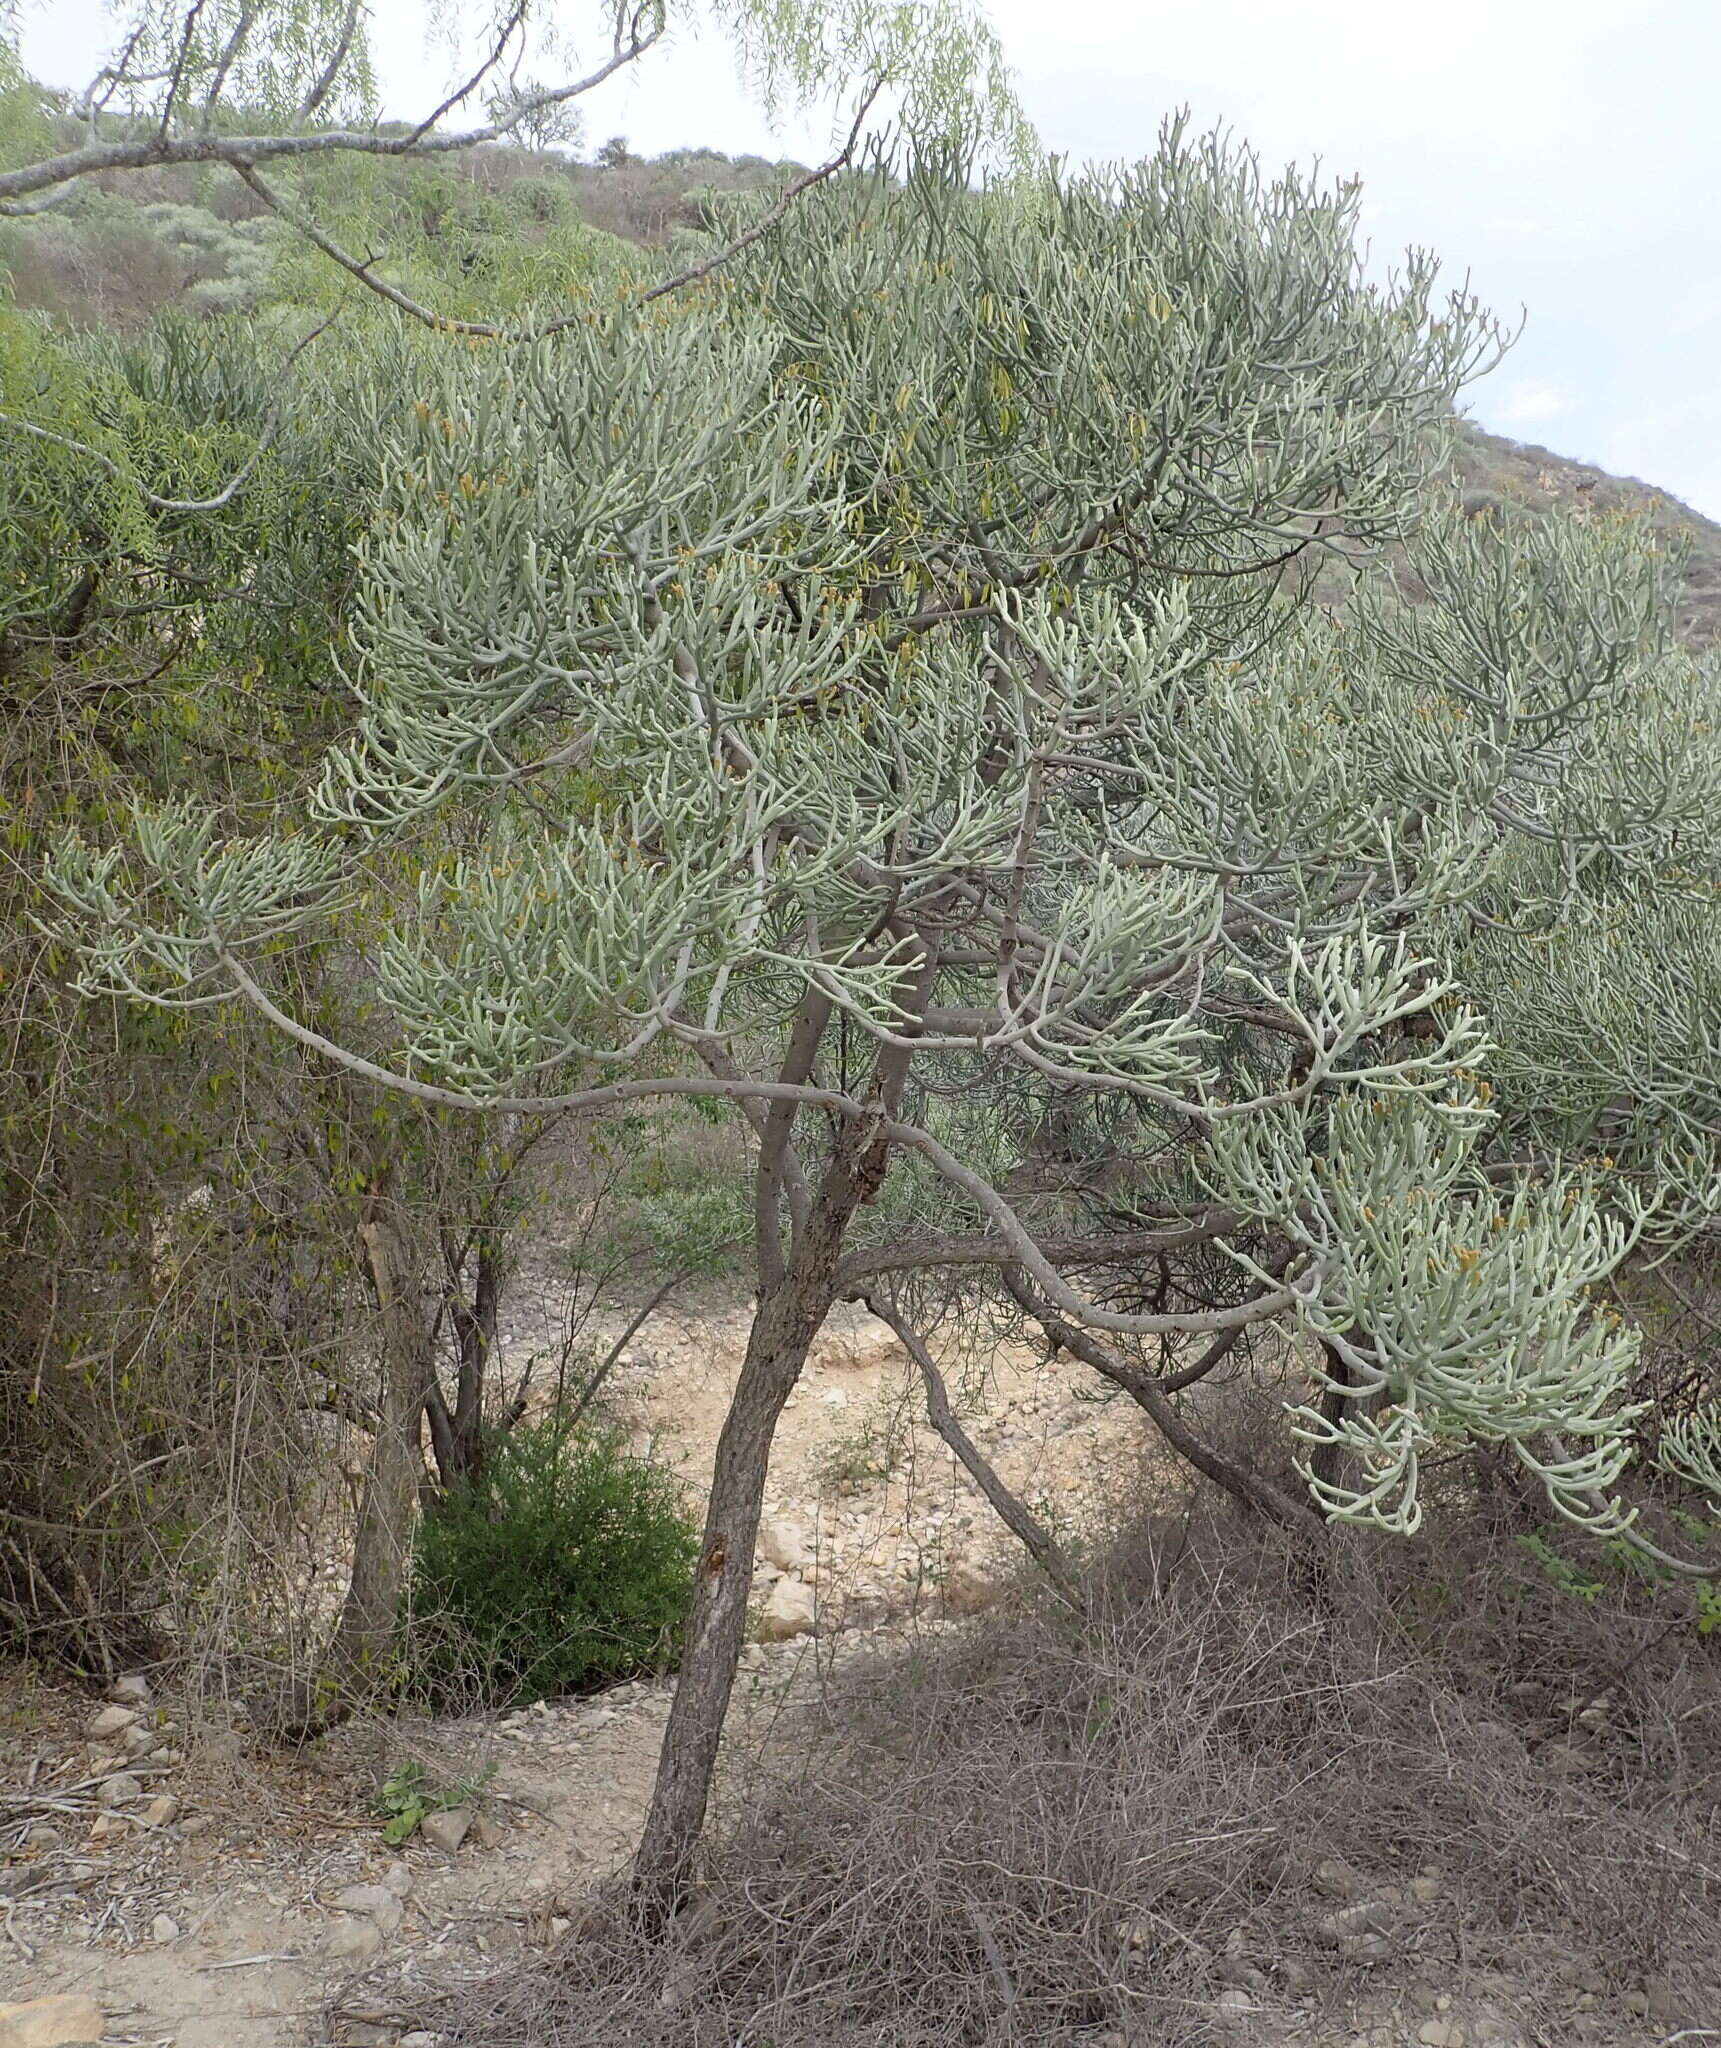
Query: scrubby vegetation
x=860 y=733
x=1217 y=1775
x=559 y=1563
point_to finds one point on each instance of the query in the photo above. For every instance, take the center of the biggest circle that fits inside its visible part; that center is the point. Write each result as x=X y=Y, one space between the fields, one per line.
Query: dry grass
x=1048 y=1829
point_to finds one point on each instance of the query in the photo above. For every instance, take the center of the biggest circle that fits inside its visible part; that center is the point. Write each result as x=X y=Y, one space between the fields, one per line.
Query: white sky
x=1565 y=153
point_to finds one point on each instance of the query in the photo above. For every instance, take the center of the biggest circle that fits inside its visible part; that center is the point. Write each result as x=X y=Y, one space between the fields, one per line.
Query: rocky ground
x=182 y=1887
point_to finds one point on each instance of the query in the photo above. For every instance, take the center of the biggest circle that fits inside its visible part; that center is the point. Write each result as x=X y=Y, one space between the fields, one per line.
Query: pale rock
x=1366 y=1948
x=132 y=1690
x=108 y=1724
x=1440 y=2033
x=160 y=1812
x=1585 y=1976
x=375 y=1901
x=418 y=2038
x=122 y=1789
x=1234 y=2002
x=1243 y=1976
x=1334 y=1878
x=447 y=1829
x=867 y=1344
x=107 y=1825
x=1425 y=1890
x=753 y=1658
x=164 y=1928
x=56 y=2022
x=968 y=1589
x=791 y=1611
x=784 y=1543
x=398 y=1879
x=352 y=1939
x=1665 y=2003
x=834 y=1397
x=1370 y=1916
x=138 y=1741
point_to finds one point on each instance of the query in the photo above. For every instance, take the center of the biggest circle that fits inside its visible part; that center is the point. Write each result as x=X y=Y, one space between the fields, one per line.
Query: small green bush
x=563 y=1564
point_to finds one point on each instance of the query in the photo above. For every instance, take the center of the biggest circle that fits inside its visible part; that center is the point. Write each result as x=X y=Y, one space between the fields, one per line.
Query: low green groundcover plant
x=563 y=1564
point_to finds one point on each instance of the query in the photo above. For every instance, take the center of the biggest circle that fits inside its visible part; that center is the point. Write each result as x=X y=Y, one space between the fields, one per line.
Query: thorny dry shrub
x=1048 y=1827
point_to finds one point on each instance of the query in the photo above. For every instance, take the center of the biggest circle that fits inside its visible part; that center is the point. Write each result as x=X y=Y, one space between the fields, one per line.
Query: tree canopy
x=902 y=629
x=974 y=675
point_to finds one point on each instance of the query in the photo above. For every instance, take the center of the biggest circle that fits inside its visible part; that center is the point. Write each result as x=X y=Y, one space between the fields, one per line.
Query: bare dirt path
x=222 y=1920
x=266 y=1891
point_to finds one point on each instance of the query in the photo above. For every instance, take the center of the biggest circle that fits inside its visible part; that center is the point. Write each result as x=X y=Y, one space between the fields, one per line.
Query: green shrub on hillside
x=563 y=1563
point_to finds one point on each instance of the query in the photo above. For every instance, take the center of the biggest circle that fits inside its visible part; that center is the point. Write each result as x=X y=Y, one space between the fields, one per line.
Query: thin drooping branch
x=360 y=267
x=910 y=1137
x=1149 y=1395
x=234 y=484
x=594 y=1384
x=1069 y=1254
x=363 y=269
x=156 y=149
x=324 y=83
x=773 y=214
x=1039 y=1542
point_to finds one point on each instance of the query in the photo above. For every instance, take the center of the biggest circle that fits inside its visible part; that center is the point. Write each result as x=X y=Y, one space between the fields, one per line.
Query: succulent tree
x=878 y=688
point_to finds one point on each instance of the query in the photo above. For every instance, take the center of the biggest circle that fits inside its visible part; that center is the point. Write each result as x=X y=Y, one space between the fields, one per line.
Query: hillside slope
x=1492 y=470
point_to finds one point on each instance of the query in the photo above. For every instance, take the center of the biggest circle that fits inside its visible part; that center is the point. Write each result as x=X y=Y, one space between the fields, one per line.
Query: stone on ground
x=58 y=2022
x=376 y=1901
x=790 y=1611
x=446 y=1829
x=107 y=1724
x=861 y=1346
x=353 y=1939
x=784 y=1544
x=968 y=1588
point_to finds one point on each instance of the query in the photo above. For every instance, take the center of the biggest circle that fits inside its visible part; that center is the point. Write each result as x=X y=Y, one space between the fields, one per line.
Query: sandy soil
x=225 y=1925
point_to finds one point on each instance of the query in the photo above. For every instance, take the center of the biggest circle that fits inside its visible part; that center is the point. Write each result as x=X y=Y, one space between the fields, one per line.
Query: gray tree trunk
x=363 y=1653
x=794 y=1299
